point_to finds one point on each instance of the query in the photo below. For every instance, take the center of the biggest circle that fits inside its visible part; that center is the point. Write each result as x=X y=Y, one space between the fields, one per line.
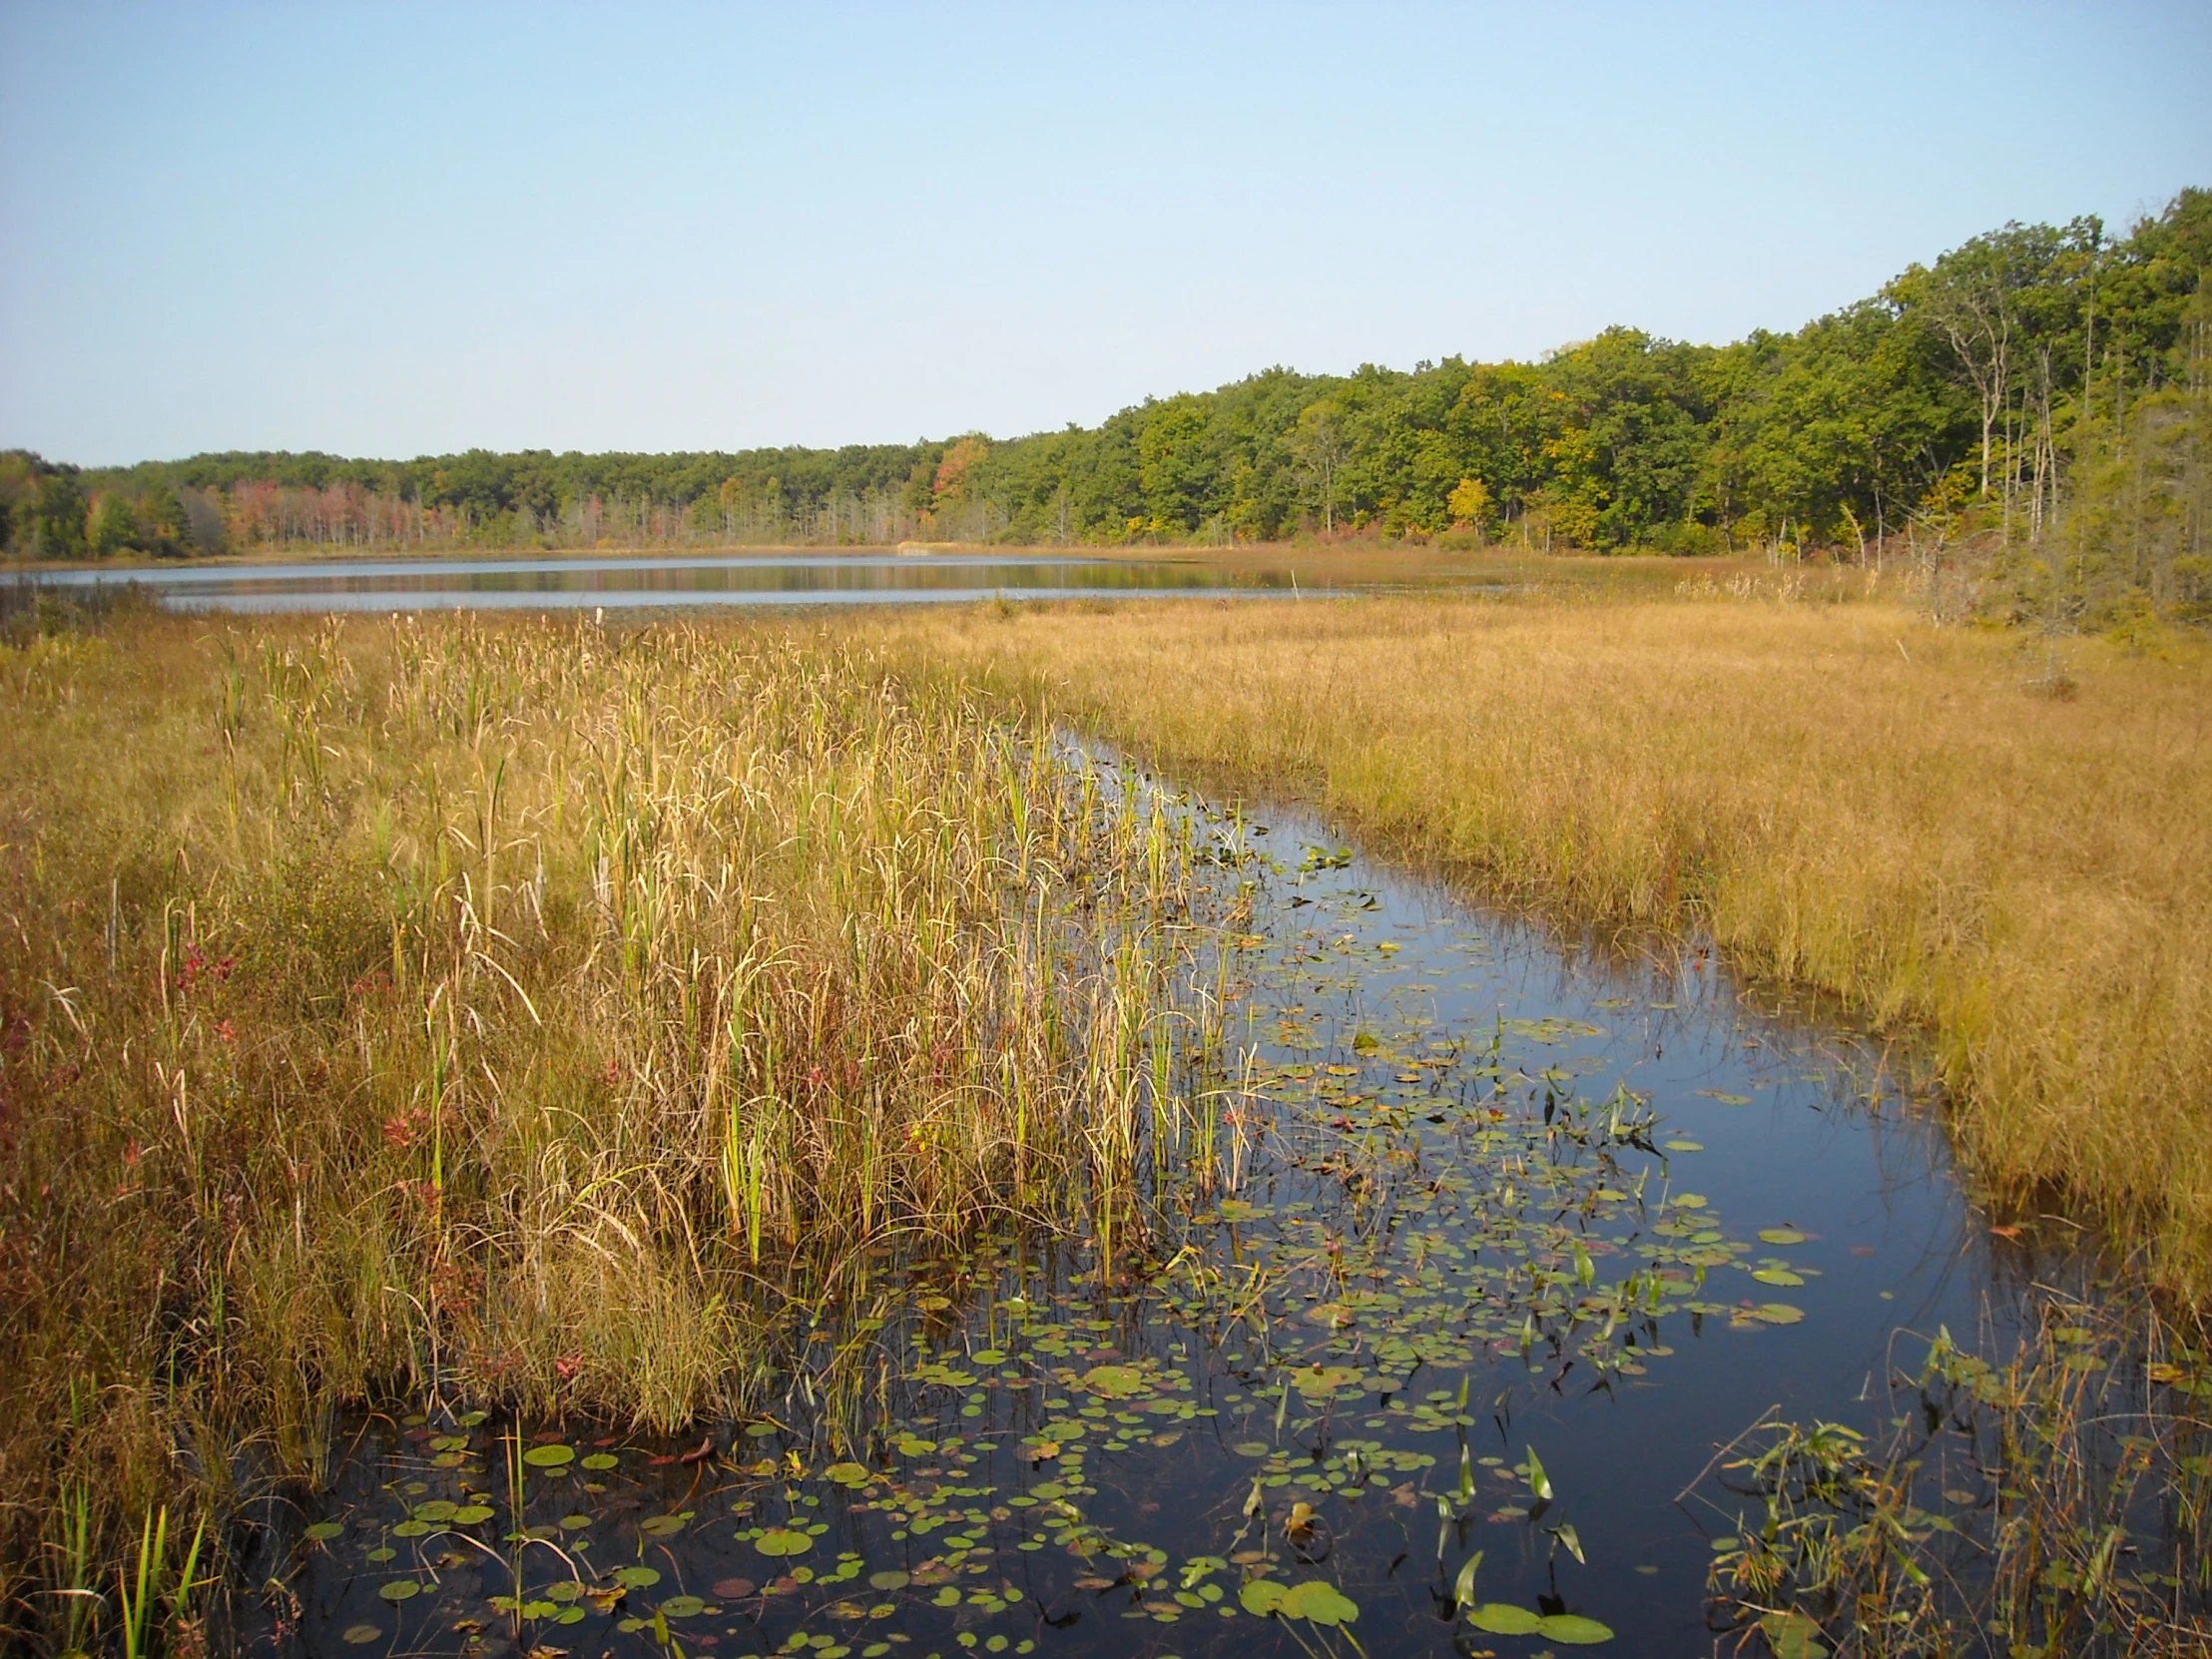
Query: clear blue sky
x=390 y=230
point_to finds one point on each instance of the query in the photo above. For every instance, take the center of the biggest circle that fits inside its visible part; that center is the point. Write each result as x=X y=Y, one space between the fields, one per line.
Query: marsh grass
x=1836 y=794
x=2049 y=1502
x=525 y=1013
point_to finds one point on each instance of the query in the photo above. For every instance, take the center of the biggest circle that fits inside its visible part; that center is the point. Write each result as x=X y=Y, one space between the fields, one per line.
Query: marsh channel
x=1513 y=1241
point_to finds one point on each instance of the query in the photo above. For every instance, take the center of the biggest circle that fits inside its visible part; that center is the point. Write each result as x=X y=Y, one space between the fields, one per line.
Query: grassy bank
x=518 y=1013
x=1836 y=794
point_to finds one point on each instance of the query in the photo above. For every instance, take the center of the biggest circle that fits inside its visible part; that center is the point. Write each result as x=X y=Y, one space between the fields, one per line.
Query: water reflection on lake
x=632 y=582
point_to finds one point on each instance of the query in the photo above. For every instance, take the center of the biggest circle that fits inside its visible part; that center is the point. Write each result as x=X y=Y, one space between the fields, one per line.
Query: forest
x=2041 y=389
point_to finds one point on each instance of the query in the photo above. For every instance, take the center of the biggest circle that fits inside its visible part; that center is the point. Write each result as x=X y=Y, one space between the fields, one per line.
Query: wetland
x=722 y=1143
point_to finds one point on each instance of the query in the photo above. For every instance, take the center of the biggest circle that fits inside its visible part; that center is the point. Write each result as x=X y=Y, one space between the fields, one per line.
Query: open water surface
x=1508 y=1241
x=631 y=581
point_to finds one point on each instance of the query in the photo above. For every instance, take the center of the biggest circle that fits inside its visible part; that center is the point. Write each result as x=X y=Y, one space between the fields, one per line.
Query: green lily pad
x=550 y=1456
x=663 y=1527
x=600 y=1460
x=1776 y=1276
x=469 y=1514
x=1783 y=1236
x=411 y=1529
x=892 y=1580
x=437 y=1511
x=1792 y=1636
x=1252 y=1448
x=400 y=1590
x=360 y=1635
x=1778 y=1313
x=782 y=1540
x=1114 y=1381
x=325 y=1530
x=1501 y=1619
x=848 y=1474
x=1574 y=1630
x=1319 y=1602
x=682 y=1607
x=1261 y=1596
x=637 y=1578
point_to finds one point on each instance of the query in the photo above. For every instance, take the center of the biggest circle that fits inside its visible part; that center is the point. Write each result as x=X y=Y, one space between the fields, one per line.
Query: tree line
x=2040 y=390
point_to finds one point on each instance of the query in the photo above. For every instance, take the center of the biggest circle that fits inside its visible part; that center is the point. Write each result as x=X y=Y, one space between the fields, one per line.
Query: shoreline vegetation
x=2031 y=411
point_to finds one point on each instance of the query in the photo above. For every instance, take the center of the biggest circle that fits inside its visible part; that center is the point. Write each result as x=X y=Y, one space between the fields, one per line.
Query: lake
x=639 y=581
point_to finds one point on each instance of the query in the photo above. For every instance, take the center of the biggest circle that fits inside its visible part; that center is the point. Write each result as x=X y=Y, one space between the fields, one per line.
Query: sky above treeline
x=392 y=230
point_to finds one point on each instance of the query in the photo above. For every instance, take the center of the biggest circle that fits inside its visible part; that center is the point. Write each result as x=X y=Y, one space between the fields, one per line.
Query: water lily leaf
x=438 y=1510
x=400 y=1590
x=1501 y=1619
x=1783 y=1235
x=1261 y=1596
x=360 y=1635
x=1252 y=1448
x=325 y=1530
x=550 y=1456
x=637 y=1578
x=682 y=1607
x=1689 y=1201
x=890 y=1579
x=1114 y=1381
x=1573 y=1629
x=1319 y=1602
x=1683 y=1146
x=1776 y=1276
x=1778 y=1313
x=782 y=1540
x=469 y=1514
x=1792 y=1636
x=663 y=1527
x=848 y=1474
x=601 y=1461
x=410 y=1529
x=1237 y=1210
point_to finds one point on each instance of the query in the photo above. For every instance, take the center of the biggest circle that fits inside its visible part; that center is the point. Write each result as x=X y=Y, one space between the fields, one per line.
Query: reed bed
x=521 y=1012
x=2012 y=867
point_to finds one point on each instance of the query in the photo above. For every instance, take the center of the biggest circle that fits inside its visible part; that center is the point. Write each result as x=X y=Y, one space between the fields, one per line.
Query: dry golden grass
x=1837 y=793
x=516 y=1010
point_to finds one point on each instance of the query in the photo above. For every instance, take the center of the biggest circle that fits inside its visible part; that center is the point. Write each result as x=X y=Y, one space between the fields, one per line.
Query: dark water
x=1493 y=1197
x=632 y=582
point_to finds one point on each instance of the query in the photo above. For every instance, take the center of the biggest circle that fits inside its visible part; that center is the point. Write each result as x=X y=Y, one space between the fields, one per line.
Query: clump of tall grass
x=2050 y=1501
x=523 y=1012
x=1842 y=794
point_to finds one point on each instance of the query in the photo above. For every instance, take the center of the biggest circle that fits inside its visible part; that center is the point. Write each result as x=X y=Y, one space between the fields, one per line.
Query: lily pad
x=1574 y=1630
x=848 y=1474
x=1778 y=1313
x=782 y=1540
x=682 y=1607
x=1319 y=1602
x=600 y=1460
x=1776 y=1276
x=1501 y=1619
x=400 y=1590
x=890 y=1579
x=550 y=1456
x=438 y=1510
x=1261 y=1596
x=1792 y=1636
x=469 y=1514
x=663 y=1527
x=1114 y=1381
x=325 y=1530
x=360 y=1635
x=1783 y=1236
x=637 y=1578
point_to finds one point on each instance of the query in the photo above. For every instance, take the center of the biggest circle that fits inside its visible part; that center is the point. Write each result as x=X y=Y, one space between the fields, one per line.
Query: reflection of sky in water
x=631 y=583
x=1779 y=1105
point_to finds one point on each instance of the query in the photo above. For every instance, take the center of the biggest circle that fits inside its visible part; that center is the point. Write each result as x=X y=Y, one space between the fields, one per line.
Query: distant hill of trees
x=2041 y=384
